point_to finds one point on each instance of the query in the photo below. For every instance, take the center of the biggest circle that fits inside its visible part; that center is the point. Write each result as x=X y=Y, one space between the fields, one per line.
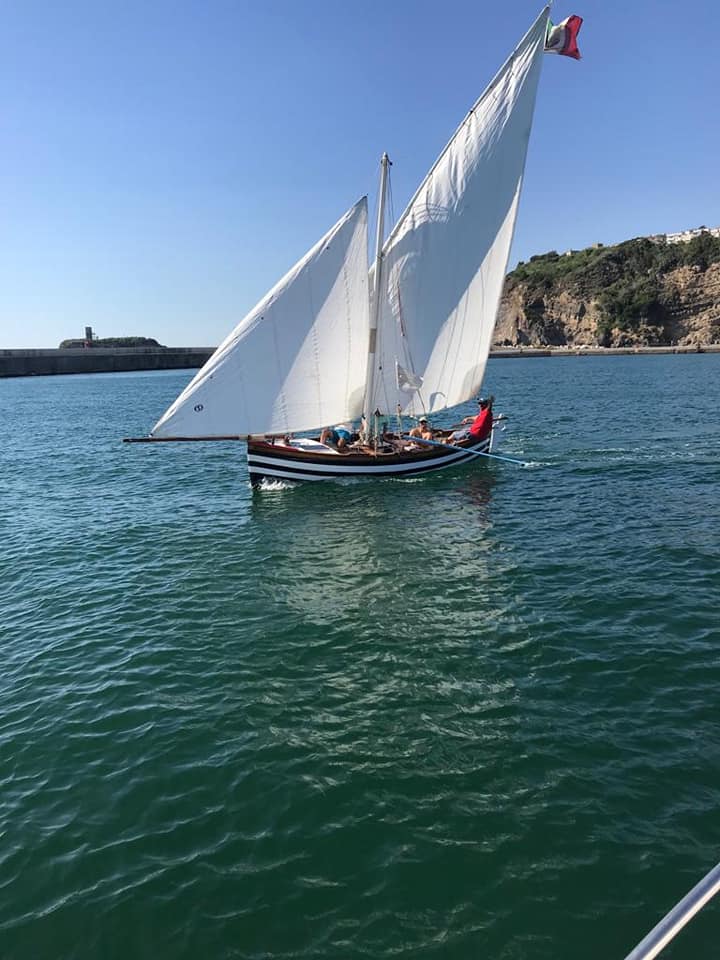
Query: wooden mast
x=375 y=311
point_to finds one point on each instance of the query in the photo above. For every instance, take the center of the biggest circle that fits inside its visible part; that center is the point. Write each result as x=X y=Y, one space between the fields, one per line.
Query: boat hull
x=275 y=461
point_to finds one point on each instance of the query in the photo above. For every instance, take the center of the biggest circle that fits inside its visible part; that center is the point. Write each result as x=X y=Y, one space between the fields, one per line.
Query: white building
x=685 y=235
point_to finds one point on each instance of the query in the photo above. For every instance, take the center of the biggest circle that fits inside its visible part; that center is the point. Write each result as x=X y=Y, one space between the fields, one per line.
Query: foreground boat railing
x=673 y=922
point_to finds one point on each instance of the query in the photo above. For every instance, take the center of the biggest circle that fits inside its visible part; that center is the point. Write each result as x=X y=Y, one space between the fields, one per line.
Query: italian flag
x=562 y=37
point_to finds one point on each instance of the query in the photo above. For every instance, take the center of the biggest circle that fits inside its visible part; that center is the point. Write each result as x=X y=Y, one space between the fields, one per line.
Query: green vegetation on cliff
x=626 y=280
x=112 y=342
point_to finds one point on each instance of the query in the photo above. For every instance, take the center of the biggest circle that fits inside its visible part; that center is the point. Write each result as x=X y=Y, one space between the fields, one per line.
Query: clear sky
x=163 y=164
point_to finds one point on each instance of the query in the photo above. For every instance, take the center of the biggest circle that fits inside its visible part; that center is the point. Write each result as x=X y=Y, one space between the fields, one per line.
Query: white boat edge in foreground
x=681 y=914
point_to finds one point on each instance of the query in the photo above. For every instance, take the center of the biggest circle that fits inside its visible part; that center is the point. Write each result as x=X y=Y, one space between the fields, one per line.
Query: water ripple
x=472 y=714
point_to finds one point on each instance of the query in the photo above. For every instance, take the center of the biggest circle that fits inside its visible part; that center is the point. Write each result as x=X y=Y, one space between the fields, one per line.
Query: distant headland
x=90 y=340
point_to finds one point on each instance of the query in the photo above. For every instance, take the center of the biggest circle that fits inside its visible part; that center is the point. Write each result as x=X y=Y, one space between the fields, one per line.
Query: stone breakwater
x=38 y=363
x=35 y=363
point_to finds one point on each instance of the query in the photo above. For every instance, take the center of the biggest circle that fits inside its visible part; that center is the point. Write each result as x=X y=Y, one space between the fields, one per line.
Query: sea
x=469 y=715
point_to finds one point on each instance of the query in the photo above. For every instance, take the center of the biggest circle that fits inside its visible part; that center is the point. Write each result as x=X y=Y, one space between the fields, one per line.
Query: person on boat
x=422 y=430
x=479 y=427
x=338 y=437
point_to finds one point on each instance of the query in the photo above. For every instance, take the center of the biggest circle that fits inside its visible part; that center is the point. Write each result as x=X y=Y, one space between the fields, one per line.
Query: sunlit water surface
x=469 y=715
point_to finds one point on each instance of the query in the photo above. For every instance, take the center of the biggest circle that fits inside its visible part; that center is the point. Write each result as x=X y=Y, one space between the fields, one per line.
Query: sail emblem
x=406 y=380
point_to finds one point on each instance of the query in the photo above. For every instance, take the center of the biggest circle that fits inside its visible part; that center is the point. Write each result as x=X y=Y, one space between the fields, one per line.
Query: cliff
x=642 y=292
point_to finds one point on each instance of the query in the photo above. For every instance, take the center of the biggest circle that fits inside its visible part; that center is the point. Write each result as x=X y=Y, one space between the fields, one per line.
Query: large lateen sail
x=445 y=261
x=297 y=361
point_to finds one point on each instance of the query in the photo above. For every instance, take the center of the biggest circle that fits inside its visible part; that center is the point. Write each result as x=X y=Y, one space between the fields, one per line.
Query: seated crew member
x=338 y=437
x=480 y=426
x=422 y=430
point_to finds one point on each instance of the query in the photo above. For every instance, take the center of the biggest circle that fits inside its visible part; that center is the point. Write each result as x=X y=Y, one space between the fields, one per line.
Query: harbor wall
x=600 y=351
x=36 y=363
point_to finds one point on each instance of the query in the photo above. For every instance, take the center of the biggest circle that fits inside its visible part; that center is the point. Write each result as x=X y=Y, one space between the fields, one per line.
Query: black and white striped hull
x=280 y=462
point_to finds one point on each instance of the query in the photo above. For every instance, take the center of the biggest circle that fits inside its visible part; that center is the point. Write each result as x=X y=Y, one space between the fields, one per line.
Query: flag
x=409 y=382
x=562 y=37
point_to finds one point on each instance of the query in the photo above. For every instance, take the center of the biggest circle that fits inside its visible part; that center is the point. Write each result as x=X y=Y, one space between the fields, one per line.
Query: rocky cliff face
x=611 y=299
x=694 y=304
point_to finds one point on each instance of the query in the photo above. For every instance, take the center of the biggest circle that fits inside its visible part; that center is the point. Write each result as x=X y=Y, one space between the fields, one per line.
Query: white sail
x=445 y=261
x=297 y=361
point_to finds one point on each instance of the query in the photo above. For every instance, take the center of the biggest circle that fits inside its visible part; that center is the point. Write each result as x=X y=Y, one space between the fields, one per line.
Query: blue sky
x=163 y=164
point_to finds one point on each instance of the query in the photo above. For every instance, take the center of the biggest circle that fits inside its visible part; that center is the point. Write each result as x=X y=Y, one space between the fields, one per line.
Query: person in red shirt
x=482 y=423
x=480 y=426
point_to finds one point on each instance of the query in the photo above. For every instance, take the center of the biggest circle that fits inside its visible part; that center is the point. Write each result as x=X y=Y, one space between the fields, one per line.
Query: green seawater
x=469 y=715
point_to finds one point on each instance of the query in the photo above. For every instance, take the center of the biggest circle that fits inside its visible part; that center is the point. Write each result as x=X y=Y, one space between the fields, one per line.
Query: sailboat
x=336 y=341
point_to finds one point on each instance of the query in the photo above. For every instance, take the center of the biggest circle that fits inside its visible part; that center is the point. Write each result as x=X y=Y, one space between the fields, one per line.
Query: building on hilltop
x=684 y=236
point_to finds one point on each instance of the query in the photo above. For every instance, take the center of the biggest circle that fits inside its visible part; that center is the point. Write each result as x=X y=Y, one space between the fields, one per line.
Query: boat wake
x=273 y=486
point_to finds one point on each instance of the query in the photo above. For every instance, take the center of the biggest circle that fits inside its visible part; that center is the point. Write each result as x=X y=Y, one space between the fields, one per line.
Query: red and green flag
x=562 y=37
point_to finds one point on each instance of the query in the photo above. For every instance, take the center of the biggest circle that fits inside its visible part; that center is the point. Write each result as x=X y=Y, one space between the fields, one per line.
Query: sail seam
x=348 y=338
x=281 y=395
x=315 y=344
